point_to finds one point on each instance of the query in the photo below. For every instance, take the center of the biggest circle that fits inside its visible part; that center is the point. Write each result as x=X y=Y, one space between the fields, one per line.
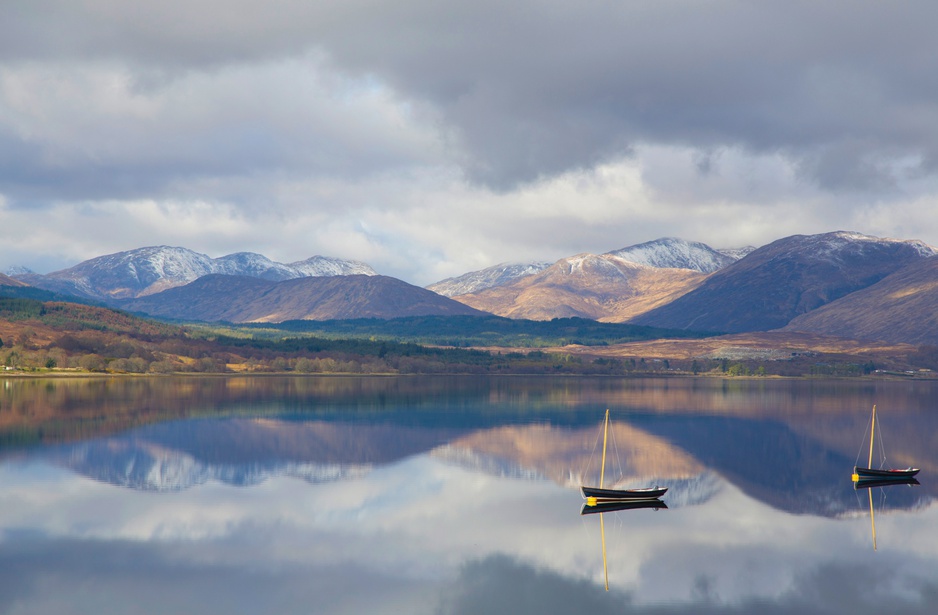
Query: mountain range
x=147 y=271
x=841 y=284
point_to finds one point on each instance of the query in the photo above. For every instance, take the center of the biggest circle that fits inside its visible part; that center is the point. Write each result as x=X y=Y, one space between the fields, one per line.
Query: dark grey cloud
x=105 y=577
x=501 y=584
x=527 y=90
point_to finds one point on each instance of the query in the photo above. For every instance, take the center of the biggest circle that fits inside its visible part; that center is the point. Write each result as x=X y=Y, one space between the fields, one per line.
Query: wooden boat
x=647 y=493
x=869 y=472
x=597 y=495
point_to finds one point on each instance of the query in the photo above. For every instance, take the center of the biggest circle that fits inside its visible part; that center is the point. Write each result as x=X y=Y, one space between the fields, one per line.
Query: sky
x=429 y=138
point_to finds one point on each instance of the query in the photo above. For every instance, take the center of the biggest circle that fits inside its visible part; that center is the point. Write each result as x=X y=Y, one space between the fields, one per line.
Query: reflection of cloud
x=88 y=576
x=500 y=584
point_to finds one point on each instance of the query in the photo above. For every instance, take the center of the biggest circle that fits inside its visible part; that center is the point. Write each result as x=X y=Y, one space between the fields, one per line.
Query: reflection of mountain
x=770 y=461
x=565 y=455
x=791 y=444
x=152 y=468
x=179 y=455
x=568 y=456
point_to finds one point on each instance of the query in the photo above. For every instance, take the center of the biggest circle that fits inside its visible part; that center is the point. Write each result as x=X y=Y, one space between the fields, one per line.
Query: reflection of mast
x=870 y=465
x=602 y=474
x=870 y=484
x=602 y=532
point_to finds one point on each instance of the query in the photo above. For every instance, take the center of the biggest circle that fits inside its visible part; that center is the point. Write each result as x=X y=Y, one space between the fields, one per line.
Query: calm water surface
x=460 y=495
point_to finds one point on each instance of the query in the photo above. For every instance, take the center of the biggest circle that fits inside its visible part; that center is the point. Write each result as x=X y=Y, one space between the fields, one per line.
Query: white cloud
x=430 y=139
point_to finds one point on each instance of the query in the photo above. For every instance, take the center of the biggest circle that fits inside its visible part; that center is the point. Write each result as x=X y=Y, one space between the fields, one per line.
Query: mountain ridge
x=215 y=298
x=150 y=270
x=791 y=276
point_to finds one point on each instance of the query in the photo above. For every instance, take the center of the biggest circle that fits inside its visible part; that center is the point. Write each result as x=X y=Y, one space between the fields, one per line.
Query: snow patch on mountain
x=16 y=270
x=831 y=245
x=675 y=253
x=145 y=271
x=736 y=253
x=491 y=277
x=152 y=468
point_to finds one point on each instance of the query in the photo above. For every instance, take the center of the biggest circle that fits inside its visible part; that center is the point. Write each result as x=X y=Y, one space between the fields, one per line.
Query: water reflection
x=317 y=500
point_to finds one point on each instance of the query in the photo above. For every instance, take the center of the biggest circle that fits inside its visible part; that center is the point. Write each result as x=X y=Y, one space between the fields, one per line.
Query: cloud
x=430 y=138
x=526 y=91
x=84 y=576
x=501 y=584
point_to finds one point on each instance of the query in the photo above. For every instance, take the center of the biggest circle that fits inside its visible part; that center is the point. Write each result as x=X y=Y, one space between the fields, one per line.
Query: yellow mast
x=602 y=474
x=602 y=471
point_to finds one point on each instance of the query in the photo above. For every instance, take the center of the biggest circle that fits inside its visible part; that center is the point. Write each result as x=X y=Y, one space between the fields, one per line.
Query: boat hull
x=866 y=473
x=650 y=493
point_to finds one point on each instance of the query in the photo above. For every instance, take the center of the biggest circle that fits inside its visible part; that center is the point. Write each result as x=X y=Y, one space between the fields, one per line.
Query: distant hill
x=663 y=253
x=214 y=298
x=478 y=331
x=475 y=281
x=604 y=287
x=898 y=308
x=145 y=271
x=6 y=280
x=772 y=285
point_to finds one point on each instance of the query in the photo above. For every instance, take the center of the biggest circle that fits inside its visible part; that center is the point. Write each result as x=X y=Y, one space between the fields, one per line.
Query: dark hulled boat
x=647 y=493
x=880 y=474
x=595 y=495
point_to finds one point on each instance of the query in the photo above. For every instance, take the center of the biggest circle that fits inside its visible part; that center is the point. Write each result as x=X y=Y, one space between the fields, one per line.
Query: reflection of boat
x=595 y=495
x=617 y=505
x=870 y=472
x=869 y=483
x=884 y=483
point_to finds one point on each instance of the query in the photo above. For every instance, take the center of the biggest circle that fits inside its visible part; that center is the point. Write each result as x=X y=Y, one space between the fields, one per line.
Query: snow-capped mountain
x=674 y=253
x=491 y=277
x=16 y=270
x=785 y=279
x=145 y=271
x=600 y=287
x=664 y=253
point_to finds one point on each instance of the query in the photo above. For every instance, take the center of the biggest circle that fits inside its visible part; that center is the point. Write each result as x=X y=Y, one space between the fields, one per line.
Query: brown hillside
x=605 y=288
x=6 y=280
x=900 y=308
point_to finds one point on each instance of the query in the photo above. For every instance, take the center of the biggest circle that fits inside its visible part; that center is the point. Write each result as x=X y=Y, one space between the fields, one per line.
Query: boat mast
x=602 y=471
x=872 y=431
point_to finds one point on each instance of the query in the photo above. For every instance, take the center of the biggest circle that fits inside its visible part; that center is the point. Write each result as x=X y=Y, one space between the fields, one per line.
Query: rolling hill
x=242 y=299
x=898 y=308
